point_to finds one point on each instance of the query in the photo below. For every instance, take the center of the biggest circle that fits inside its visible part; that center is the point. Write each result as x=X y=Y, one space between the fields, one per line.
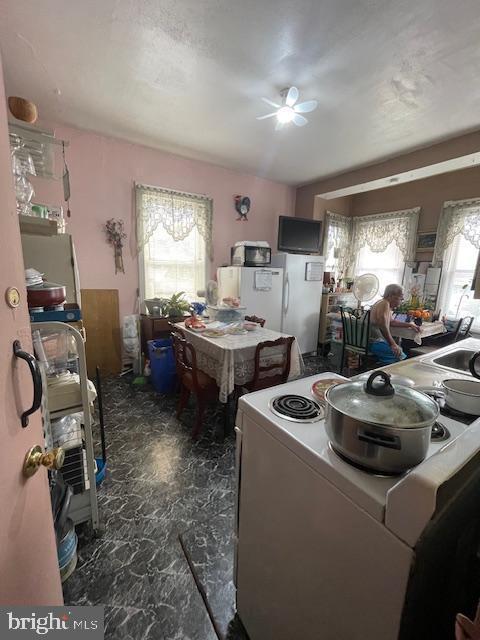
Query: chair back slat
x=356 y=329
x=284 y=345
x=463 y=328
x=185 y=358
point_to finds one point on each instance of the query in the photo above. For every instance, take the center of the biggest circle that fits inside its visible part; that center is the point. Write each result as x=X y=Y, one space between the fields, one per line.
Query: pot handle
x=472 y=363
x=385 y=389
x=390 y=442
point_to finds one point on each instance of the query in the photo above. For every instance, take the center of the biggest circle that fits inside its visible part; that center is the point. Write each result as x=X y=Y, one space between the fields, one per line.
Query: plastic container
x=162 y=364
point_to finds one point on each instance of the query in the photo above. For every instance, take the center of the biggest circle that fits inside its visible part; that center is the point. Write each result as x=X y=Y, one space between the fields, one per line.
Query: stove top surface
x=453 y=444
x=296 y=408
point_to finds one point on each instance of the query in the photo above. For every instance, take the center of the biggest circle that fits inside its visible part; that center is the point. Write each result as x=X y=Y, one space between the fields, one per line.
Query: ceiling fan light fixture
x=285 y=114
x=289 y=111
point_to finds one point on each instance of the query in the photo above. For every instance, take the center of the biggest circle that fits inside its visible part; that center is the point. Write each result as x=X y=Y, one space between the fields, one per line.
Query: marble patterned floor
x=162 y=491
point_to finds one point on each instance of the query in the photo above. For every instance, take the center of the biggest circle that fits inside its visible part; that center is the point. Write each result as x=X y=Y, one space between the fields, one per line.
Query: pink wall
x=102 y=173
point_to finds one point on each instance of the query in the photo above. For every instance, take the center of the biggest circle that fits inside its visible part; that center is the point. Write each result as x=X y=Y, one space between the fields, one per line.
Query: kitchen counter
x=426 y=375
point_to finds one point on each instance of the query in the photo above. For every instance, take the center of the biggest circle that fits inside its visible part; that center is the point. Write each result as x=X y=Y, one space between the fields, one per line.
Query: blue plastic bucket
x=162 y=365
x=101 y=471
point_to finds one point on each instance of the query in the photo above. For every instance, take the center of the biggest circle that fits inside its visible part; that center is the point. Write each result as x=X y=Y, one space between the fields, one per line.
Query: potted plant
x=161 y=312
x=177 y=306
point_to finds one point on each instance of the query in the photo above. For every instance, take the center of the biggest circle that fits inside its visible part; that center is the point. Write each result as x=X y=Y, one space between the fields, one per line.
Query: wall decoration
x=426 y=241
x=242 y=206
x=115 y=237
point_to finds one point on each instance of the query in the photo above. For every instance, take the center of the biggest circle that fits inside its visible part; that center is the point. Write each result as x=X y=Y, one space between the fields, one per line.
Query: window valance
x=177 y=211
x=458 y=217
x=380 y=230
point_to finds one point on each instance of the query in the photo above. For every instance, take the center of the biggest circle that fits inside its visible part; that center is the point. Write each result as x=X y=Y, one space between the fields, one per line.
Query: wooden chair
x=175 y=329
x=356 y=333
x=432 y=343
x=192 y=380
x=283 y=367
x=259 y=321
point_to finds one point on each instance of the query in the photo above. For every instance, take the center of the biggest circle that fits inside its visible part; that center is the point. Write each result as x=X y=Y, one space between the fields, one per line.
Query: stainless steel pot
x=376 y=425
x=462 y=395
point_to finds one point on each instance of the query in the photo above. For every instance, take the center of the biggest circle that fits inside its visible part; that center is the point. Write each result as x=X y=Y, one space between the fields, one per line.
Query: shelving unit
x=327 y=331
x=38 y=226
x=84 y=505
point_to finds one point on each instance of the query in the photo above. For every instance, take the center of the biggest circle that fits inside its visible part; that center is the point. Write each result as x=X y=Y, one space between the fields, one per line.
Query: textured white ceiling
x=187 y=75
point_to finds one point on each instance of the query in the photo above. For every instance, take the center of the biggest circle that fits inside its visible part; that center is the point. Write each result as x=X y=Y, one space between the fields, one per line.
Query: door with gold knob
x=29 y=572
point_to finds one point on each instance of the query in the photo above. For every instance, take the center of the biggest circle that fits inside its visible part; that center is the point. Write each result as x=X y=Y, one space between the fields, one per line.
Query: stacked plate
x=33 y=277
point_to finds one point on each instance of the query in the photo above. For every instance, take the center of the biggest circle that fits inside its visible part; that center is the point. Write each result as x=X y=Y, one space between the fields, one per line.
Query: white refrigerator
x=302 y=296
x=260 y=290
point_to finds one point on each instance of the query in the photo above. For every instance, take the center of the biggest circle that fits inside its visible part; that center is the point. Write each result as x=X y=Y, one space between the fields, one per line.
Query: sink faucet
x=464 y=295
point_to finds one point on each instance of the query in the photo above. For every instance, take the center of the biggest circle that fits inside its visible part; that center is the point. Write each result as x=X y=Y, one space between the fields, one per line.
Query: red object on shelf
x=47 y=295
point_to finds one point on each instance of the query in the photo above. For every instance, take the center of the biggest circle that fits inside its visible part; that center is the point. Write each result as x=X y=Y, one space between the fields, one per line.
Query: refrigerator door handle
x=287 y=295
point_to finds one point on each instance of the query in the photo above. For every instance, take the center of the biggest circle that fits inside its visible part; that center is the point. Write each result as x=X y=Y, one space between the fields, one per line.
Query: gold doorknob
x=37 y=458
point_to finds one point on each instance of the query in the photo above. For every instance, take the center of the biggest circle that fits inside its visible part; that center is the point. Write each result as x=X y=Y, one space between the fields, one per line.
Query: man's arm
x=406 y=325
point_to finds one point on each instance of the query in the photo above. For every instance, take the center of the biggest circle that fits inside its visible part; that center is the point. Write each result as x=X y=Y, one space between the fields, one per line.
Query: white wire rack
x=75 y=437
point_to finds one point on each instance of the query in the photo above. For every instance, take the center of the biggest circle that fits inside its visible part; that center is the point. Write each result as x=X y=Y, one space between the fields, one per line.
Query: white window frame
x=141 y=277
x=448 y=277
x=147 y=220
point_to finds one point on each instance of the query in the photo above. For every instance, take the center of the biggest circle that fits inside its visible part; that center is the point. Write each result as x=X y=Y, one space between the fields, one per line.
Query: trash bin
x=162 y=364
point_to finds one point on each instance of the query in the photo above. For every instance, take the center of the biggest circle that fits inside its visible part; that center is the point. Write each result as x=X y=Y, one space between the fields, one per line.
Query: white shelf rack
x=84 y=505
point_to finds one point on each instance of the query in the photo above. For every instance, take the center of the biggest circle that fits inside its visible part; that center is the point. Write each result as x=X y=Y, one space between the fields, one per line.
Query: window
x=172 y=266
x=387 y=265
x=459 y=267
x=382 y=242
x=174 y=232
x=337 y=242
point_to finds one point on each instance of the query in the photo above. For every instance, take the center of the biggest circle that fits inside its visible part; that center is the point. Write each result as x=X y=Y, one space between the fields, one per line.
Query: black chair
x=356 y=330
x=432 y=343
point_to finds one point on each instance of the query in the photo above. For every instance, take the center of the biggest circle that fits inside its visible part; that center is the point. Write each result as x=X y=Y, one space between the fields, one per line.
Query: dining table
x=230 y=359
x=427 y=329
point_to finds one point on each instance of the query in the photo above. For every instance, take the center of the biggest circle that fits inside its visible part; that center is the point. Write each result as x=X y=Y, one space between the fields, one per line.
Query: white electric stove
x=328 y=551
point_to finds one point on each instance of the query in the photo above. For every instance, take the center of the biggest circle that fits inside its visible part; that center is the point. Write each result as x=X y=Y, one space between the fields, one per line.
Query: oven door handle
x=36 y=377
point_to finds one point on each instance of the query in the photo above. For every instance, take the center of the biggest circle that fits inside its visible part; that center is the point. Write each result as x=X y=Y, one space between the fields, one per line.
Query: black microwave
x=250 y=256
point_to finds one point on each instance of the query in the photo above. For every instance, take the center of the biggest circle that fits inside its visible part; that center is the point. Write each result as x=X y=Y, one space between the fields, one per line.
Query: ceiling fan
x=288 y=111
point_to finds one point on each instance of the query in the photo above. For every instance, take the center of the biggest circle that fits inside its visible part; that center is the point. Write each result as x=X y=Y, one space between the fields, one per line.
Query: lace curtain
x=380 y=230
x=458 y=217
x=337 y=241
x=178 y=213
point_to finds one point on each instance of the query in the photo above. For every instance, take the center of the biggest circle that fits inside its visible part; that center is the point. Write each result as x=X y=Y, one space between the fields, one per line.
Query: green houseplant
x=176 y=306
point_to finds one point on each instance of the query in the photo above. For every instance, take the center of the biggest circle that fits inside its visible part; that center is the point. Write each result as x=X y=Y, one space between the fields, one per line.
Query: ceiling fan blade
x=269 y=115
x=299 y=120
x=272 y=104
x=292 y=96
x=279 y=126
x=305 y=107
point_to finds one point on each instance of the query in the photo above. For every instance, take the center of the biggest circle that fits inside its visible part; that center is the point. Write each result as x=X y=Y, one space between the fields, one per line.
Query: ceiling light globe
x=285 y=114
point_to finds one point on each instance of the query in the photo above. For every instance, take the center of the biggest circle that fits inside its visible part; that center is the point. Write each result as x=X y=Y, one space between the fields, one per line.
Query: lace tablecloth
x=230 y=359
x=426 y=329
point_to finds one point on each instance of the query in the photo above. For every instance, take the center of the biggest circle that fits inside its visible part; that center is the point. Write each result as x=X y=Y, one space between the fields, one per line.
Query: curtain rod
x=203 y=196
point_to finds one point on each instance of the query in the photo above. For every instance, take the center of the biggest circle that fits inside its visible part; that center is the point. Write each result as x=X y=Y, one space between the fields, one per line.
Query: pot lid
x=379 y=402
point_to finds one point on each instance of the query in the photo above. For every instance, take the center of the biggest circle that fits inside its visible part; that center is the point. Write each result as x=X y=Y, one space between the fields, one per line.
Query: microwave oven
x=250 y=256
